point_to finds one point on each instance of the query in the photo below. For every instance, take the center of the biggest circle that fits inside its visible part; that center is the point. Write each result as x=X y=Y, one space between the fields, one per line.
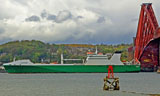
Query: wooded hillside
x=38 y=51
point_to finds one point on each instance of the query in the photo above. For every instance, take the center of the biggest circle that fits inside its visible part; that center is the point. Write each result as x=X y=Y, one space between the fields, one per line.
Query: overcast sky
x=71 y=21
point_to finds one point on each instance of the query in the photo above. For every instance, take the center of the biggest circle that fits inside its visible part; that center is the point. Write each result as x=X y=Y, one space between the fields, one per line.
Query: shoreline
x=142 y=93
x=153 y=94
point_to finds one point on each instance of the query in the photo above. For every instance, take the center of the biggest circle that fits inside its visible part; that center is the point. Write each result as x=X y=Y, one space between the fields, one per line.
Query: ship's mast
x=61 y=58
x=96 y=51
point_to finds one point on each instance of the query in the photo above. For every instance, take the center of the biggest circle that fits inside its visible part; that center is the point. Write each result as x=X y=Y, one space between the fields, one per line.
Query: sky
x=71 y=21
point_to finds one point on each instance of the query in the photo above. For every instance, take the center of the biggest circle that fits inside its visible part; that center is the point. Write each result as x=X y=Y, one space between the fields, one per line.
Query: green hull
x=69 y=68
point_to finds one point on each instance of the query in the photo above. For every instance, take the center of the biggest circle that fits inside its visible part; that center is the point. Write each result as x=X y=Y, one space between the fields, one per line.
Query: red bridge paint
x=147 y=42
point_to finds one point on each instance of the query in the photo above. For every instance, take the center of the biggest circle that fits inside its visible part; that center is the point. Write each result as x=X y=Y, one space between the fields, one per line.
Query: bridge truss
x=147 y=41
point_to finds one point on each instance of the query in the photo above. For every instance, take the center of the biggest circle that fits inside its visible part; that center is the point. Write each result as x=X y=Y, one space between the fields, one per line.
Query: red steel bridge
x=147 y=41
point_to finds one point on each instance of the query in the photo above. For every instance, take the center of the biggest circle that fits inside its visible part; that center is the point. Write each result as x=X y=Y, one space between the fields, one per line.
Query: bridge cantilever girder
x=146 y=41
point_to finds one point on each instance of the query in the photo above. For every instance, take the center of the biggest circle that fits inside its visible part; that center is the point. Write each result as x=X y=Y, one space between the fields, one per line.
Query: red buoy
x=110 y=72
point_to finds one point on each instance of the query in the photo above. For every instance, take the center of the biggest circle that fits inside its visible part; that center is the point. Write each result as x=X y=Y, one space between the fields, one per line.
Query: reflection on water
x=77 y=84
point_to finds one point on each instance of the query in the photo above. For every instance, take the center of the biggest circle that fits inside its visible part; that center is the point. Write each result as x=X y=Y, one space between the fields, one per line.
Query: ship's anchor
x=110 y=82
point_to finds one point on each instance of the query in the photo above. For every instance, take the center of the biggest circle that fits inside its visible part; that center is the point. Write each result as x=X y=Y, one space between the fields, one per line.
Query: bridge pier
x=151 y=56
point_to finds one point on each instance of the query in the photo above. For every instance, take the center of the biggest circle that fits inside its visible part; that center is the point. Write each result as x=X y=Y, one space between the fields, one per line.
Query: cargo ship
x=95 y=63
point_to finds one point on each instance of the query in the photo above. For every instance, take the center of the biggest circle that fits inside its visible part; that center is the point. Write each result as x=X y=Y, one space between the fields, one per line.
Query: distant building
x=90 y=53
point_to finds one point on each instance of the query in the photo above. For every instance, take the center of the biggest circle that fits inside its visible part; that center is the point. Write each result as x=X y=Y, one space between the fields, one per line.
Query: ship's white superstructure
x=100 y=59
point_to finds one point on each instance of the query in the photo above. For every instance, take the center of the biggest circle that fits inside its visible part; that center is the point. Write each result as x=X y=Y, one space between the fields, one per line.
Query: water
x=77 y=84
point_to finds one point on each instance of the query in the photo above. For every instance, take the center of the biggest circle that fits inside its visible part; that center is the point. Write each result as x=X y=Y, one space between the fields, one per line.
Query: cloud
x=63 y=15
x=79 y=17
x=2 y=30
x=101 y=20
x=60 y=17
x=33 y=18
x=10 y=9
x=70 y=21
x=51 y=17
x=44 y=14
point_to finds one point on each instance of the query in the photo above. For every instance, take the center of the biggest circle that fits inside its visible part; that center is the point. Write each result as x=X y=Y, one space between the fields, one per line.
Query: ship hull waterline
x=70 y=68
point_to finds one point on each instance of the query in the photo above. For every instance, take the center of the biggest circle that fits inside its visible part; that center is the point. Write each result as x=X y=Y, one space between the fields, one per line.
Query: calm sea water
x=77 y=84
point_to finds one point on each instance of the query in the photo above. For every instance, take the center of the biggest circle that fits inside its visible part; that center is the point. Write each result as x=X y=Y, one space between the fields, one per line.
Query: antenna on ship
x=61 y=58
x=14 y=59
x=96 y=50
